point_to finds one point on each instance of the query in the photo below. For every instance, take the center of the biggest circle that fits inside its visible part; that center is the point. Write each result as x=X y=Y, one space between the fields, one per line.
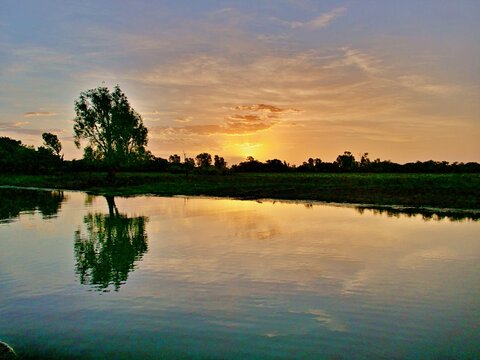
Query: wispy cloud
x=263 y=108
x=325 y=19
x=358 y=58
x=425 y=85
x=39 y=113
x=254 y=118
x=184 y=119
x=319 y=22
x=19 y=128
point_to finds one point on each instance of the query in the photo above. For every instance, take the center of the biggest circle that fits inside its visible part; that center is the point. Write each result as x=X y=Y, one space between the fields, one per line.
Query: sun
x=248 y=149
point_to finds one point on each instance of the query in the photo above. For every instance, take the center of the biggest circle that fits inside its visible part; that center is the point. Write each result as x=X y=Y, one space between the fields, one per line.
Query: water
x=150 y=277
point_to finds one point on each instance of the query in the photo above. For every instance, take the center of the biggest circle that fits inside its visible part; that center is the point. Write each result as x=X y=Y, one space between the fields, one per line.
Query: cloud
x=184 y=119
x=18 y=128
x=39 y=113
x=423 y=84
x=360 y=59
x=258 y=117
x=263 y=107
x=325 y=19
x=268 y=38
x=21 y=123
x=319 y=22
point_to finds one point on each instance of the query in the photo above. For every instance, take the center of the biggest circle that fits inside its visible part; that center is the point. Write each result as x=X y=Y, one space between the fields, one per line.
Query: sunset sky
x=271 y=79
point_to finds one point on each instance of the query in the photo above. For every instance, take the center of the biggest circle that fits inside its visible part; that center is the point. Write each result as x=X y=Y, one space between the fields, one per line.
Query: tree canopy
x=51 y=142
x=114 y=131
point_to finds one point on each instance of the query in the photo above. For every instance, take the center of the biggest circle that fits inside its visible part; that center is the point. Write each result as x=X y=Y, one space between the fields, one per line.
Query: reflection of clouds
x=327 y=320
x=357 y=282
x=234 y=252
x=441 y=254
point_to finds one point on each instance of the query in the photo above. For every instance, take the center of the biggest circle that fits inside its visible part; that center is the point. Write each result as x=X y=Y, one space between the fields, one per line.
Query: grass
x=458 y=191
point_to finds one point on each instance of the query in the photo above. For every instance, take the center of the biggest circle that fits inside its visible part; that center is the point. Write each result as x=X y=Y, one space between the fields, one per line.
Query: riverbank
x=453 y=191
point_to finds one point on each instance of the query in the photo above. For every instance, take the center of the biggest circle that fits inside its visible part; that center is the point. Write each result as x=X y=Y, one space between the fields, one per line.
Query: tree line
x=16 y=157
x=116 y=139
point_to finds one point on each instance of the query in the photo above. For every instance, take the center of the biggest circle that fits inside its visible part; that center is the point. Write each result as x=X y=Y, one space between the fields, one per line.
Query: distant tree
x=276 y=165
x=204 y=160
x=114 y=131
x=189 y=163
x=309 y=165
x=249 y=165
x=364 y=161
x=346 y=161
x=51 y=142
x=174 y=159
x=16 y=157
x=157 y=164
x=219 y=162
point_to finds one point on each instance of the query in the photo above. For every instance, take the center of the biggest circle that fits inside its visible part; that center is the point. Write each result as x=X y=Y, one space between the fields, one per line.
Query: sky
x=269 y=79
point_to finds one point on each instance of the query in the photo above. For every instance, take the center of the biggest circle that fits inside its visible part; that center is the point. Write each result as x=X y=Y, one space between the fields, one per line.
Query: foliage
x=18 y=158
x=51 y=142
x=219 y=162
x=203 y=160
x=346 y=162
x=174 y=159
x=114 y=131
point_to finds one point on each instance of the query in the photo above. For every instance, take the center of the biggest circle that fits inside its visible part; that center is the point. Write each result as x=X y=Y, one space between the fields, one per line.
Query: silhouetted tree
x=51 y=142
x=250 y=165
x=276 y=165
x=346 y=161
x=219 y=162
x=114 y=131
x=16 y=157
x=174 y=159
x=364 y=162
x=204 y=160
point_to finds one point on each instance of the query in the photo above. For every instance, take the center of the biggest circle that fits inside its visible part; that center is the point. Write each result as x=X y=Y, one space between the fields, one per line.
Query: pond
x=85 y=277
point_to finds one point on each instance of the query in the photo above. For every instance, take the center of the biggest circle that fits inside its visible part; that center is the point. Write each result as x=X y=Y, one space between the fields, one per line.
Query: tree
x=114 y=131
x=174 y=159
x=51 y=142
x=364 y=161
x=204 y=160
x=346 y=161
x=219 y=162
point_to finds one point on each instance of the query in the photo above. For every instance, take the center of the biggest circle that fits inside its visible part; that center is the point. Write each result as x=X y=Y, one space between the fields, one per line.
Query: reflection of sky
x=236 y=269
x=399 y=80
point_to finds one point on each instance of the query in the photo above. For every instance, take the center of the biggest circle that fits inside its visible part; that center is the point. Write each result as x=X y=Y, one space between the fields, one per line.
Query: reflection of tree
x=15 y=201
x=427 y=214
x=108 y=251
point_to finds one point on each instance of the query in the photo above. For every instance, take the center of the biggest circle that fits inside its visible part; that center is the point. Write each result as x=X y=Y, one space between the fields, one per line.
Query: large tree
x=114 y=131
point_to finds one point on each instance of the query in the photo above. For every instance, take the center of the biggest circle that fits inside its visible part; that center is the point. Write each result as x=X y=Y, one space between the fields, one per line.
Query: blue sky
x=286 y=79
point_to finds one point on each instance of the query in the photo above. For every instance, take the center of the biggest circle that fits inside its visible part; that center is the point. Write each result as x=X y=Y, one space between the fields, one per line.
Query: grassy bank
x=461 y=191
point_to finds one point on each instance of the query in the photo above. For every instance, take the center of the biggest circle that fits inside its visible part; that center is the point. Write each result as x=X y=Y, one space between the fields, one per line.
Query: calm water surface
x=150 y=277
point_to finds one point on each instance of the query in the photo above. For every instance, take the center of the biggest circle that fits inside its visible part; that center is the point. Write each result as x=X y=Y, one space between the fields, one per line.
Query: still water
x=150 y=277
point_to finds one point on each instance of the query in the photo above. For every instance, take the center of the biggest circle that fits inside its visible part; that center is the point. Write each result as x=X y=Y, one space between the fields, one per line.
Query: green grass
x=460 y=191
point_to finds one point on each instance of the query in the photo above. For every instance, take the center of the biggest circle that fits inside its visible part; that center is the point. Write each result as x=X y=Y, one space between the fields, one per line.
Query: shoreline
x=426 y=192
